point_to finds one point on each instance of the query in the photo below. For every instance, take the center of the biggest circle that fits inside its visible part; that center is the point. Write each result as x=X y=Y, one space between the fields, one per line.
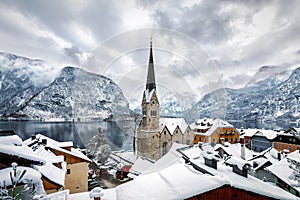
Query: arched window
x=164 y=148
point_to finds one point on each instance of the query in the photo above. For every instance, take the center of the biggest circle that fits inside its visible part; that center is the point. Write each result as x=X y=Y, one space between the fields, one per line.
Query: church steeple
x=150 y=85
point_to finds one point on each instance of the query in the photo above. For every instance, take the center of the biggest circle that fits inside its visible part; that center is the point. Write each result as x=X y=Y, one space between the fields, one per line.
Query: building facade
x=216 y=132
x=155 y=135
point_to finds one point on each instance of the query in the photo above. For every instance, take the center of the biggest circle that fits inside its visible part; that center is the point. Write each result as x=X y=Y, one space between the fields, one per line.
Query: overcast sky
x=197 y=44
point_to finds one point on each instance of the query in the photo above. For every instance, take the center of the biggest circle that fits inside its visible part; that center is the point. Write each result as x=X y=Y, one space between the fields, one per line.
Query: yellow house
x=214 y=131
x=66 y=167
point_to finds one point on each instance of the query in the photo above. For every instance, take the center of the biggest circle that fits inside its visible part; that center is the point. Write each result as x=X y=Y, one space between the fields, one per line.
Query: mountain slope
x=275 y=98
x=26 y=89
x=78 y=94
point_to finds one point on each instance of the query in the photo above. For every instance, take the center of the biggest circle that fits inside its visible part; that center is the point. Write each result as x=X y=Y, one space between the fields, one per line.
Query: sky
x=198 y=46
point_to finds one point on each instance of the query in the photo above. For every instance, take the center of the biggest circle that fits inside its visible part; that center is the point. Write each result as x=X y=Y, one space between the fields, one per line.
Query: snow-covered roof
x=237 y=161
x=170 y=158
x=248 y=184
x=283 y=171
x=269 y=134
x=235 y=150
x=21 y=152
x=201 y=124
x=172 y=124
x=248 y=132
x=74 y=152
x=50 y=171
x=148 y=94
x=268 y=155
x=177 y=181
x=216 y=123
x=11 y=139
x=140 y=165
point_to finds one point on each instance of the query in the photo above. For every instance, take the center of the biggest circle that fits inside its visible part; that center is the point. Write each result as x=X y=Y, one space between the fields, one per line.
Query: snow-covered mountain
x=171 y=104
x=275 y=98
x=74 y=93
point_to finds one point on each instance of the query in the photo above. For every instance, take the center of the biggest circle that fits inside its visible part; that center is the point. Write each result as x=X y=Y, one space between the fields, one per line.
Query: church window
x=164 y=148
x=153 y=113
x=188 y=142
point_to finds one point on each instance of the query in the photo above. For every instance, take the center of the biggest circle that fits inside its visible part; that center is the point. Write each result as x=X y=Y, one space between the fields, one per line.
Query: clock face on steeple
x=153 y=102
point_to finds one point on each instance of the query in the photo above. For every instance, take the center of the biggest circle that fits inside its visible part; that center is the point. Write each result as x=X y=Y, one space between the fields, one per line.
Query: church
x=155 y=135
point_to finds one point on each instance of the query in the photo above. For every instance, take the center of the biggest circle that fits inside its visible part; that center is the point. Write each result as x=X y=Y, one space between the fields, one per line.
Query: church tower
x=148 y=131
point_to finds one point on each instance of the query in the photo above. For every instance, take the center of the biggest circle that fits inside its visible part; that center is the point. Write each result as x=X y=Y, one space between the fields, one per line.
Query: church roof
x=172 y=123
x=150 y=85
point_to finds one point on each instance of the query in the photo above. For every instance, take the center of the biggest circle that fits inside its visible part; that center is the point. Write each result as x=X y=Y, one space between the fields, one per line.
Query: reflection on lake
x=78 y=132
x=265 y=125
x=118 y=134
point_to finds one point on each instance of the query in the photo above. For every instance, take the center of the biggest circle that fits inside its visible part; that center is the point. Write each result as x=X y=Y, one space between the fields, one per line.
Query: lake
x=80 y=133
x=118 y=134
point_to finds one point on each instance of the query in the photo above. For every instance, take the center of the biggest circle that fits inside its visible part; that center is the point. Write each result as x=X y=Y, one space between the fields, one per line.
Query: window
x=68 y=171
x=282 y=146
x=153 y=113
x=290 y=147
x=276 y=145
x=188 y=142
x=164 y=148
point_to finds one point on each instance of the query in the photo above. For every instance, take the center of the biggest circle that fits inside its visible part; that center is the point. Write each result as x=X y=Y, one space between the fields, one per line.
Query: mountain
x=171 y=104
x=19 y=81
x=272 y=99
x=73 y=94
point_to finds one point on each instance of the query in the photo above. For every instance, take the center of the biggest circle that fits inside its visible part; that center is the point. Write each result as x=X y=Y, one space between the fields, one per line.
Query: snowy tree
x=103 y=153
x=295 y=176
x=27 y=191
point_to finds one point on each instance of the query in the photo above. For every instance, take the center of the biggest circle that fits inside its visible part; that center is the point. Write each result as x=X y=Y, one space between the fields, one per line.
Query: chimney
x=44 y=141
x=210 y=160
x=96 y=193
x=278 y=155
x=243 y=153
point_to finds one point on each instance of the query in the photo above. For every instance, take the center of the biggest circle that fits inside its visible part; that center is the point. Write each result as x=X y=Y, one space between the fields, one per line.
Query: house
x=67 y=167
x=286 y=141
x=262 y=140
x=264 y=159
x=285 y=175
x=155 y=135
x=246 y=135
x=215 y=131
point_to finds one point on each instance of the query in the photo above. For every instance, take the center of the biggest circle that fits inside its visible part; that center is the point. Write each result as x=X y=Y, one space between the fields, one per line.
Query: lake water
x=78 y=132
x=118 y=134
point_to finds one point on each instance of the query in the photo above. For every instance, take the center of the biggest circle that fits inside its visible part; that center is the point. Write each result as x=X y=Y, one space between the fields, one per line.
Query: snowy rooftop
x=140 y=165
x=23 y=152
x=50 y=171
x=74 y=152
x=235 y=150
x=177 y=181
x=269 y=134
x=248 y=132
x=169 y=159
x=201 y=124
x=148 y=94
x=216 y=123
x=172 y=123
x=11 y=139
x=284 y=172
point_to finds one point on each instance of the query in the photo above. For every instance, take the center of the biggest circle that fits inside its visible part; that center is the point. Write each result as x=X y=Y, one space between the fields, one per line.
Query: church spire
x=150 y=85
